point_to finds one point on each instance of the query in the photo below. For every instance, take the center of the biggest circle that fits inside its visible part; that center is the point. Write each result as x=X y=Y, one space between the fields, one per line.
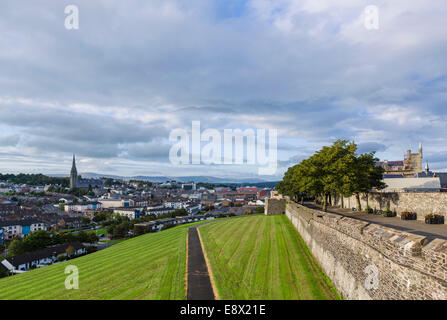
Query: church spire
x=73 y=174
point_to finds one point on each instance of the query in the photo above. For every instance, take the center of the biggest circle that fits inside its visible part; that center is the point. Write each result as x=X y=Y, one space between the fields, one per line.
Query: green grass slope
x=263 y=257
x=151 y=266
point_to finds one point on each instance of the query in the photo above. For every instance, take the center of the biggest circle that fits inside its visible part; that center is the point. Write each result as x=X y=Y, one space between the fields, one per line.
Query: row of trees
x=118 y=227
x=34 y=179
x=41 y=239
x=334 y=170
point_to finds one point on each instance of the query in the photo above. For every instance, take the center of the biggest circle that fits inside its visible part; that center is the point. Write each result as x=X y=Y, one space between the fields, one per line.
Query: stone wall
x=421 y=203
x=275 y=206
x=369 y=261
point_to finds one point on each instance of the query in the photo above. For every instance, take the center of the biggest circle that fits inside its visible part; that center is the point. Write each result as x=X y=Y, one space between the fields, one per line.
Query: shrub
x=389 y=213
x=61 y=257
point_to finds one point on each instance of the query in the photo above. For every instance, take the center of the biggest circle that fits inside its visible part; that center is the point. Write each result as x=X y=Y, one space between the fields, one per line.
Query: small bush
x=389 y=213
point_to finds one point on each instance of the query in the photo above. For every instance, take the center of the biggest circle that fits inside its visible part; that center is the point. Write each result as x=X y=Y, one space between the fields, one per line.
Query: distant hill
x=196 y=179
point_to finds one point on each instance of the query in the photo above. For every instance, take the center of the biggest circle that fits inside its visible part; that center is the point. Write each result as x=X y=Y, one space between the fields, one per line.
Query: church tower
x=73 y=175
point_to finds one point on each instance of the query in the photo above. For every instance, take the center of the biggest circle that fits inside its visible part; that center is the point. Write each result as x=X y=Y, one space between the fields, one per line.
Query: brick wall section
x=275 y=206
x=421 y=203
x=408 y=267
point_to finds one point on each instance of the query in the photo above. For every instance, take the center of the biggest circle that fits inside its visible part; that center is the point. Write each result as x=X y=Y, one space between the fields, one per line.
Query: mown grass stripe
x=151 y=266
x=263 y=257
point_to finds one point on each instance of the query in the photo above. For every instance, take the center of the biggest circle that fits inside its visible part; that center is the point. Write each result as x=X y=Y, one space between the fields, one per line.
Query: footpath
x=198 y=279
x=431 y=231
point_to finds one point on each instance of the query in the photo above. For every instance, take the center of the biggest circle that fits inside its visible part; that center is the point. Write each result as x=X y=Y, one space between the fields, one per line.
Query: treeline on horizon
x=233 y=186
x=34 y=179
x=41 y=179
x=331 y=171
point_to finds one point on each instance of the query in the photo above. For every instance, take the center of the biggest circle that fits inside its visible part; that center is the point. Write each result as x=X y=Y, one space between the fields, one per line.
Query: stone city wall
x=275 y=206
x=369 y=261
x=421 y=203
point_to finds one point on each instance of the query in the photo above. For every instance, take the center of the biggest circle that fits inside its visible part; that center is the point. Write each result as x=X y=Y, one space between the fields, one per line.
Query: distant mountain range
x=196 y=179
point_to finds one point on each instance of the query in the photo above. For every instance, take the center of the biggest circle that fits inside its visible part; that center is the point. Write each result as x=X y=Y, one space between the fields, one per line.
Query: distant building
x=189 y=186
x=41 y=258
x=73 y=175
x=75 y=182
x=429 y=184
x=131 y=213
x=408 y=167
x=83 y=206
x=21 y=228
x=247 y=189
x=116 y=203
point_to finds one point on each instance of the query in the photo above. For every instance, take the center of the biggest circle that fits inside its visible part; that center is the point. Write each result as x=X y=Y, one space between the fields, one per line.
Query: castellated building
x=410 y=166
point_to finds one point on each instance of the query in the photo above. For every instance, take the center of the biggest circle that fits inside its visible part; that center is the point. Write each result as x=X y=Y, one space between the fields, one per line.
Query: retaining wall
x=421 y=203
x=369 y=261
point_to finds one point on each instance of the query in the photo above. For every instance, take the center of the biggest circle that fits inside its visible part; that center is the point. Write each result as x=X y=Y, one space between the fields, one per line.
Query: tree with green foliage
x=367 y=177
x=92 y=237
x=100 y=216
x=331 y=171
x=16 y=247
x=82 y=236
x=259 y=210
x=37 y=240
x=85 y=220
x=70 y=251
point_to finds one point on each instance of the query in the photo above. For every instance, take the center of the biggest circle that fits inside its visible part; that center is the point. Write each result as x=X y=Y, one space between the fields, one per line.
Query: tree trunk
x=324 y=202
x=341 y=201
x=367 y=200
x=302 y=200
x=357 y=198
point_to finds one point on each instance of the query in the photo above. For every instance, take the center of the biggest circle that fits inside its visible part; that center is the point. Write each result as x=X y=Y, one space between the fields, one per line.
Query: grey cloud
x=370 y=147
x=183 y=62
x=9 y=140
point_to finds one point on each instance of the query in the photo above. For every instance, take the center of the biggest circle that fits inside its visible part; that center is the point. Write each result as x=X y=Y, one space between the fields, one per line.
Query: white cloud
x=137 y=69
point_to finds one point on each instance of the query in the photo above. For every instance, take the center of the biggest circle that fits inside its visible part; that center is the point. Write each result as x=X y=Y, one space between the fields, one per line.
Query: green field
x=263 y=257
x=151 y=266
x=252 y=257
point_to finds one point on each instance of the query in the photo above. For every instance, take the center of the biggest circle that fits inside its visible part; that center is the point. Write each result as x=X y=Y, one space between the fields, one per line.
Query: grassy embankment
x=263 y=257
x=151 y=266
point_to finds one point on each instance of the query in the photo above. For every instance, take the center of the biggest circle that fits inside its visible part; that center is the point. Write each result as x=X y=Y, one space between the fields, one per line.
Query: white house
x=83 y=206
x=131 y=213
x=20 y=228
x=37 y=259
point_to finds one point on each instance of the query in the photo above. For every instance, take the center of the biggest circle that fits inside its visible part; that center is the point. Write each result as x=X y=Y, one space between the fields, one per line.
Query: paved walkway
x=199 y=284
x=431 y=231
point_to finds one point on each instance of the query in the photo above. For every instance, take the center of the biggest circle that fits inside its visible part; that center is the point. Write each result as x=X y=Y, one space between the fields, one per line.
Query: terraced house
x=41 y=258
x=20 y=228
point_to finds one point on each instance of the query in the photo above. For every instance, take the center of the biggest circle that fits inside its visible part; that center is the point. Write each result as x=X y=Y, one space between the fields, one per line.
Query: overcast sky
x=112 y=91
